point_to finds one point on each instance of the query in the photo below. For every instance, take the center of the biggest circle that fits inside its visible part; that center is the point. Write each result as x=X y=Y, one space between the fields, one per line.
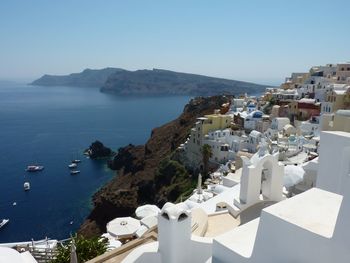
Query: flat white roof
x=315 y=210
x=227 y=196
x=241 y=239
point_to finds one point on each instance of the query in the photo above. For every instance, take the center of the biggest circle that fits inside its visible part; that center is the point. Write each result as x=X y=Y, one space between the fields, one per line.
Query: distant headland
x=150 y=82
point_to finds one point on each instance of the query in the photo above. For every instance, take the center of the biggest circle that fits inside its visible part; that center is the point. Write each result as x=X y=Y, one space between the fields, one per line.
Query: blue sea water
x=50 y=126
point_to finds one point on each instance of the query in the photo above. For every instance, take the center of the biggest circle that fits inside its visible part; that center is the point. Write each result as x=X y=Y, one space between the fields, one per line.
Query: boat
x=34 y=168
x=72 y=165
x=26 y=186
x=14 y=204
x=74 y=172
x=76 y=161
x=4 y=222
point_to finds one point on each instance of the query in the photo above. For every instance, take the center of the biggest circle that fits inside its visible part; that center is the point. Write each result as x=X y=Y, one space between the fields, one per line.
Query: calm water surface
x=50 y=126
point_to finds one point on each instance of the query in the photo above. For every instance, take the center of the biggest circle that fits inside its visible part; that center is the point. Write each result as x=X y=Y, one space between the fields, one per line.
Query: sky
x=261 y=41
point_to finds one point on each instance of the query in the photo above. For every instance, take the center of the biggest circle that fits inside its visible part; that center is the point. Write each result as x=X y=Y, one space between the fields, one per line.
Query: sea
x=50 y=126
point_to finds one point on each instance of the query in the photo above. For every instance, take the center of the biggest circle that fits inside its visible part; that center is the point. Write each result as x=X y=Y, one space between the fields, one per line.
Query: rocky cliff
x=144 y=172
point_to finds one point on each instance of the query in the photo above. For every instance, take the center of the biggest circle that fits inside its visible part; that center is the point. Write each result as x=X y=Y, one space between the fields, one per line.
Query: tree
x=206 y=154
x=86 y=249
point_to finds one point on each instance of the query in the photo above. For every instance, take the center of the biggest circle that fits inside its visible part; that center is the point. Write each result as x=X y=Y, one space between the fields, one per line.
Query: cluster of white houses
x=280 y=191
x=298 y=110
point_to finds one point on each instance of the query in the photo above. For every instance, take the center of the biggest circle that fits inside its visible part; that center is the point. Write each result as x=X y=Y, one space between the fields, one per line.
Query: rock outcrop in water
x=146 y=173
x=98 y=150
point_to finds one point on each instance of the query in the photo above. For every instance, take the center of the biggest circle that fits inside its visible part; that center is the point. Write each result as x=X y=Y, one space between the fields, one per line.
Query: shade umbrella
x=292 y=175
x=73 y=253
x=112 y=241
x=123 y=227
x=147 y=210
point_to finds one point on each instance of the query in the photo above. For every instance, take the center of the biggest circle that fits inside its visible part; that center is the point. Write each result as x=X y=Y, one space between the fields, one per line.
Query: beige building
x=203 y=126
x=215 y=121
x=337 y=99
x=343 y=72
x=338 y=121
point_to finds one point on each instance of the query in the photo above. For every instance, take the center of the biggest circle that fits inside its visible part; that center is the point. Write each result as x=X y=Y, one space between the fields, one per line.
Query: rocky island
x=166 y=82
x=150 y=83
x=98 y=150
x=148 y=173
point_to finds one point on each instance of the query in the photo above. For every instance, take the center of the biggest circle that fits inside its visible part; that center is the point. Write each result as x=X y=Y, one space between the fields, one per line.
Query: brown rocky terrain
x=138 y=179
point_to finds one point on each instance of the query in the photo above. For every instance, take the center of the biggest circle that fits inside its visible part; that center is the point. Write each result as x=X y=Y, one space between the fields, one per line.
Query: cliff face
x=137 y=167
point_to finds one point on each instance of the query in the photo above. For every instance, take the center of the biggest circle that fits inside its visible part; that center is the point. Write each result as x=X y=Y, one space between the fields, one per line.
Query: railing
x=43 y=255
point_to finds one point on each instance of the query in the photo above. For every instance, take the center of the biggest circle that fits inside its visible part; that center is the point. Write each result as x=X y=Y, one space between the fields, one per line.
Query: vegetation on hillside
x=173 y=180
x=86 y=249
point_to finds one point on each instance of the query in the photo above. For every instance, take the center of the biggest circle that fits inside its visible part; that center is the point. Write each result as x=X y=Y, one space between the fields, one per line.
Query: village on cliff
x=279 y=182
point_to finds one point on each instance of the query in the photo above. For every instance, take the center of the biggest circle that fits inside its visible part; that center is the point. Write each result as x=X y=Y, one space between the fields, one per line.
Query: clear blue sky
x=261 y=41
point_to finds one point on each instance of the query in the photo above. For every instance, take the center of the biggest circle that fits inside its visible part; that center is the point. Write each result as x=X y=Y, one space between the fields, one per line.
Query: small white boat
x=4 y=222
x=34 y=168
x=76 y=161
x=72 y=165
x=74 y=172
x=14 y=204
x=26 y=186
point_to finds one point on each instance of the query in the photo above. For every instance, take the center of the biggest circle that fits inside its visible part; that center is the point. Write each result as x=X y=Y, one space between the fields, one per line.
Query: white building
x=253 y=141
x=224 y=144
x=251 y=120
x=279 y=123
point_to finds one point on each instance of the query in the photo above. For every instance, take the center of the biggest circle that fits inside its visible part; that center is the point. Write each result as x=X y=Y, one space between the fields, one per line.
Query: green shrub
x=86 y=249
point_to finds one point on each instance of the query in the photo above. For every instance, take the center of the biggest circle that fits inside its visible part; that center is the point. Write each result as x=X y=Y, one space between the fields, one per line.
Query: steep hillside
x=144 y=172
